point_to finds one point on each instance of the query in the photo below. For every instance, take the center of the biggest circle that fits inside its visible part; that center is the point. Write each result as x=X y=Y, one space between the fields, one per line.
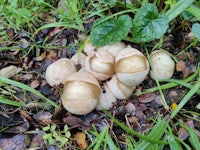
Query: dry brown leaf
x=146 y=98
x=43 y=118
x=72 y=121
x=54 y=31
x=15 y=143
x=80 y=138
x=34 y=84
x=9 y=71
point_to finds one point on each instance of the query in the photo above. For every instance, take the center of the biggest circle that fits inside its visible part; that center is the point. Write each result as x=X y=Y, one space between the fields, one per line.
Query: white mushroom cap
x=89 y=48
x=162 y=64
x=81 y=93
x=119 y=90
x=131 y=66
x=113 y=49
x=100 y=65
x=106 y=99
x=59 y=71
x=79 y=58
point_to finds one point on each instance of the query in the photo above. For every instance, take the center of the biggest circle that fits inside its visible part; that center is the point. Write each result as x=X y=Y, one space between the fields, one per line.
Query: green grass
x=25 y=88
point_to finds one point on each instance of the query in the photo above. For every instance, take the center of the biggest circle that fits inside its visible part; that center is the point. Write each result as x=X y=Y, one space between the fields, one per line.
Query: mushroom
x=106 y=99
x=131 y=66
x=79 y=58
x=100 y=65
x=162 y=64
x=88 y=47
x=119 y=90
x=81 y=93
x=113 y=49
x=59 y=71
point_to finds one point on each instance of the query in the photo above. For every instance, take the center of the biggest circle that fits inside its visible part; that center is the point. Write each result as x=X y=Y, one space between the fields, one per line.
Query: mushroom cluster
x=119 y=69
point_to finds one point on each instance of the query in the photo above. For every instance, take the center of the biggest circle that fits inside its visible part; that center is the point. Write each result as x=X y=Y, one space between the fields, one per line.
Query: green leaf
x=196 y=30
x=111 y=31
x=148 y=24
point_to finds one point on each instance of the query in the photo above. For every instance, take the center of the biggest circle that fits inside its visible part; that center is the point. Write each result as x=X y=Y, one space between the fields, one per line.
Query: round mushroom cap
x=59 y=71
x=81 y=93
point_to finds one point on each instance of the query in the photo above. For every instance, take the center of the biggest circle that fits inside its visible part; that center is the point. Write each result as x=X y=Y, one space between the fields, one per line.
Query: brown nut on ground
x=81 y=93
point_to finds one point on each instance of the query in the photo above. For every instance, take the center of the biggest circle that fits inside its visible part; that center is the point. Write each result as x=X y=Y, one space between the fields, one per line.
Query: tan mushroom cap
x=131 y=66
x=163 y=65
x=59 y=71
x=81 y=93
x=100 y=65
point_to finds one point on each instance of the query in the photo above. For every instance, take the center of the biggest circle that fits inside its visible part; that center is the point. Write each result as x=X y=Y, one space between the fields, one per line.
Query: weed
x=54 y=135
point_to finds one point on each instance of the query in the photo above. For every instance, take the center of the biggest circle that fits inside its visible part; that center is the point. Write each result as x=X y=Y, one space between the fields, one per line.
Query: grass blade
x=110 y=142
x=173 y=144
x=194 y=140
x=167 y=85
x=11 y=102
x=157 y=132
x=57 y=24
x=181 y=82
x=27 y=88
x=186 y=98
x=194 y=10
x=130 y=131
x=100 y=139
x=198 y=106
x=178 y=8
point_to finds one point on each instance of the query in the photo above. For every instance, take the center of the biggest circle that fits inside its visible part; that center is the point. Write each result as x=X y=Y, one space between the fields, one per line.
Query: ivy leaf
x=148 y=24
x=196 y=30
x=111 y=31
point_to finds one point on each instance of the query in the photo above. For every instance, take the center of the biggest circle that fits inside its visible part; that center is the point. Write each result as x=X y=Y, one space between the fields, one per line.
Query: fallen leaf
x=72 y=121
x=9 y=71
x=146 y=98
x=80 y=138
x=34 y=84
x=130 y=108
x=20 y=128
x=25 y=44
x=180 y=66
x=54 y=31
x=38 y=141
x=43 y=118
x=183 y=134
x=15 y=143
